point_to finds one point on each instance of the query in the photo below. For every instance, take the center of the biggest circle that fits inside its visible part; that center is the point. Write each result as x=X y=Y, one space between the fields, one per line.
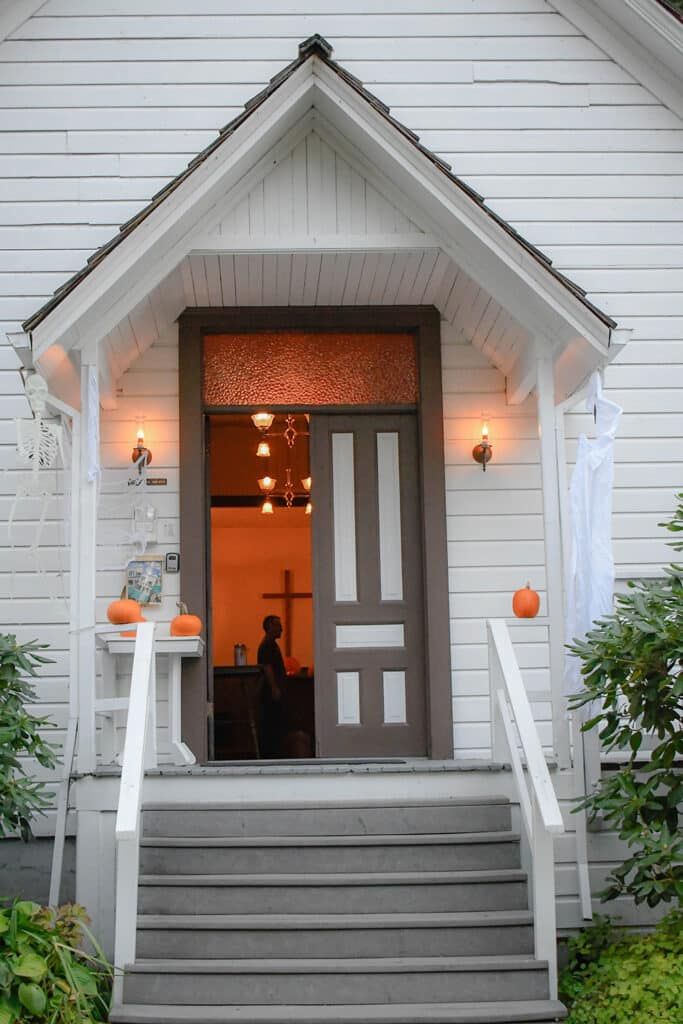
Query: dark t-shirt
x=269 y=653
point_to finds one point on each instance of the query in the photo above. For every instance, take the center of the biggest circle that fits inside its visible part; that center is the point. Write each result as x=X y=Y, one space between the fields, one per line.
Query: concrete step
x=330 y=819
x=340 y=981
x=313 y=854
x=355 y=893
x=537 y=1011
x=335 y=935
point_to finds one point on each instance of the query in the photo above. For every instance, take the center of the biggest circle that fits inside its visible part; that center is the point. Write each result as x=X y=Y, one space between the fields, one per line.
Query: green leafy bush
x=633 y=671
x=44 y=976
x=634 y=979
x=20 y=796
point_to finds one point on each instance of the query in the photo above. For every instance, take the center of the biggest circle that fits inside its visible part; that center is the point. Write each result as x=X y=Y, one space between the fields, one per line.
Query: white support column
x=545 y=396
x=85 y=581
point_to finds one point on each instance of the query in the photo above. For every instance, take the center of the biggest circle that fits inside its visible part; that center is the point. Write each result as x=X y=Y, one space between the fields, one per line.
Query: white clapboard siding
x=534 y=115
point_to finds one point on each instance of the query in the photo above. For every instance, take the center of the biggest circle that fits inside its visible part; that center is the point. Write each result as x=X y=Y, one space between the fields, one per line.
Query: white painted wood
x=344 y=517
x=86 y=540
x=182 y=751
x=394 y=692
x=348 y=698
x=389 y=500
x=374 y=635
x=539 y=808
x=552 y=534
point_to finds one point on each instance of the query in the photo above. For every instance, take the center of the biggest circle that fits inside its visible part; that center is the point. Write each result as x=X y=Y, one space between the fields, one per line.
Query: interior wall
x=248 y=561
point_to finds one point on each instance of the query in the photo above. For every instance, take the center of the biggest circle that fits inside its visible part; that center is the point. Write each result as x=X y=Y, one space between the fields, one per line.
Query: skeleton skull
x=36 y=393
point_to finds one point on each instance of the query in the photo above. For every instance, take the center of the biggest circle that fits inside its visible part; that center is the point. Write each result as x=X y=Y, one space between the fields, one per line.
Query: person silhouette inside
x=270 y=659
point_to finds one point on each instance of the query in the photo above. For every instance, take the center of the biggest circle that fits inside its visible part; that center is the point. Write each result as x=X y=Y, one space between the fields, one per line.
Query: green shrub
x=632 y=673
x=44 y=976
x=634 y=979
x=20 y=796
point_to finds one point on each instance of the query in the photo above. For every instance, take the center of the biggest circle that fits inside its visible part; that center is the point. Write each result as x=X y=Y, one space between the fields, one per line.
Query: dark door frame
x=423 y=322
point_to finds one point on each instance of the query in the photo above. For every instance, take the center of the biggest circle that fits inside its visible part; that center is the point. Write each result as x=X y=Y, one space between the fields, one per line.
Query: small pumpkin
x=185 y=624
x=526 y=602
x=124 y=610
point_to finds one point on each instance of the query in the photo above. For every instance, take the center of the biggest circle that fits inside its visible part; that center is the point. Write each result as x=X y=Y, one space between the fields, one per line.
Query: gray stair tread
x=477 y=801
x=462 y=919
x=361 y=839
x=344 y=965
x=524 y=1012
x=343 y=879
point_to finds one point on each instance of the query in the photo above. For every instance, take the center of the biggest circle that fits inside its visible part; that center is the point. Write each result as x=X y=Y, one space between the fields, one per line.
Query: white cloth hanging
x=590 y=579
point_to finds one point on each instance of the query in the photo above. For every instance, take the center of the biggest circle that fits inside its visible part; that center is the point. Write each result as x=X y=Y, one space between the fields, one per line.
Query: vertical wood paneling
x=394 y=692
x=348 y=698
x=389 y=499
x=344 y=517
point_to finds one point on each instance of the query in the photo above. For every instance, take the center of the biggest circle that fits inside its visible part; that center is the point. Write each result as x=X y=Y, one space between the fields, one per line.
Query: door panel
x=368 y=601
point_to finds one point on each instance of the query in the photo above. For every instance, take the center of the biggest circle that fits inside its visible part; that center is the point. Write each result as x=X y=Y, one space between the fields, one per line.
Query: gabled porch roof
x=132 y=288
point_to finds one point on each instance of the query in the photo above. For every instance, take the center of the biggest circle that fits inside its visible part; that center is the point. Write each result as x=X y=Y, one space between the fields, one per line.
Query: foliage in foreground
x=20 y=796
x=633 y=979
x=44 y=976
x=633 y=672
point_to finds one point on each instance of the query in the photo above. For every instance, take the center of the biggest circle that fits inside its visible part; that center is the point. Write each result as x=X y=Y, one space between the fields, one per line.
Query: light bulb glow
x=262 y=420
x=263 y=450
x=306 y=483
x=309 y=508
x=267 y=507
x=485 y=431
x=267 y=483
x=141 y=436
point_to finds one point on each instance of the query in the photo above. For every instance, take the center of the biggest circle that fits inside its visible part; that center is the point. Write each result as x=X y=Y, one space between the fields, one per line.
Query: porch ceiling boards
x=383 y=278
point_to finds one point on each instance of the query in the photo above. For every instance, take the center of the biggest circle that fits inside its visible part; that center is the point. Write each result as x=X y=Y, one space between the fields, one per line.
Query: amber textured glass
x=305 y=368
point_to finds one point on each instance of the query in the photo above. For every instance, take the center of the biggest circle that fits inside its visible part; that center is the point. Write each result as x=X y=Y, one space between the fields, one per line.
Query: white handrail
x=139 y=725
x=539 y=808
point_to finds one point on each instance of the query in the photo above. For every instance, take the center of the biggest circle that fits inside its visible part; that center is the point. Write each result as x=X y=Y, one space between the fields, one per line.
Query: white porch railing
x=540 y=811
x=139 y=752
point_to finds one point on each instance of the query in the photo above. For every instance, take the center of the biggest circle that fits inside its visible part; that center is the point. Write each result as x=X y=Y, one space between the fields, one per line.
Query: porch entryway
x=338 y=459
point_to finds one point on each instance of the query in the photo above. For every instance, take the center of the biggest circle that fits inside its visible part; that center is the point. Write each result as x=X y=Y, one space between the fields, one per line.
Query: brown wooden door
x=368 y=599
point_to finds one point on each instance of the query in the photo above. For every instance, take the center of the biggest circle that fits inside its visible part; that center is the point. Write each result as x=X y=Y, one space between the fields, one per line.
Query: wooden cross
x=287 y=595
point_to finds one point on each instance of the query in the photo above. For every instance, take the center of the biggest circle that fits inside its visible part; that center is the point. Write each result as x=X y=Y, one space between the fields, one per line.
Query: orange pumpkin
x=185 y=624
x=123 y=610
x=526 y=602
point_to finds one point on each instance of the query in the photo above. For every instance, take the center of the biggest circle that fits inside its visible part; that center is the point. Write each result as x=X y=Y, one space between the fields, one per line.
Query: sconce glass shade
x=309 y=508
x=306 y=483
x=263 y=450
x=267 y=507
x=483 y=452
x=263 y=420
x=267 y=484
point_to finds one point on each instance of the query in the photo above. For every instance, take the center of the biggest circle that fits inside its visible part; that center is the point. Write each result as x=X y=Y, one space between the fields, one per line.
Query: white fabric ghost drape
x=590 y=579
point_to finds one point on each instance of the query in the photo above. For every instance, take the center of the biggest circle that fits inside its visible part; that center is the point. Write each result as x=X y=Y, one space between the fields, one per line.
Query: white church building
x=305 y=311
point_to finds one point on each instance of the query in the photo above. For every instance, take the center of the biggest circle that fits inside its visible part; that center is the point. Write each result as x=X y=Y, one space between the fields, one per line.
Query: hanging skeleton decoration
x=38 y=445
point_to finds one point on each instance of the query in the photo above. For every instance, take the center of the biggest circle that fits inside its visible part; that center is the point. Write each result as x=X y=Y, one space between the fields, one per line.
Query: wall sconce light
x=263 y=450
x=263 y=420
x=309 y=508
x=267 y=484
x=483 y=452
x=140 y=454
x=267 y=507
x=306 y=483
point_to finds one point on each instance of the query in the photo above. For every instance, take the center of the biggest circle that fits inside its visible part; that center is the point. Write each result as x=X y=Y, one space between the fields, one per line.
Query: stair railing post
x=543 y=895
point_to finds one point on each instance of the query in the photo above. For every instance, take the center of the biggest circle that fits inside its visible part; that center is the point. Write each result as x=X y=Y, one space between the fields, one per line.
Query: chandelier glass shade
x=288 y=495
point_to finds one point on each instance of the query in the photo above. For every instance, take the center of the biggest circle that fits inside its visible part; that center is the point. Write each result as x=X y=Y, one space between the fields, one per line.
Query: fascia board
x=640 y=36
x=179 y=214
x=528 y=285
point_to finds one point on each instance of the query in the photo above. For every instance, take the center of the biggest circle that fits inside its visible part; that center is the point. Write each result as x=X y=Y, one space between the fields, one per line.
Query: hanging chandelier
x=289 y=492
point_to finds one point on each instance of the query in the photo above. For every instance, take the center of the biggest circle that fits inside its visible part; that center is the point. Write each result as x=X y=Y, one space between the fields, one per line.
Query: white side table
x=175 y=648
